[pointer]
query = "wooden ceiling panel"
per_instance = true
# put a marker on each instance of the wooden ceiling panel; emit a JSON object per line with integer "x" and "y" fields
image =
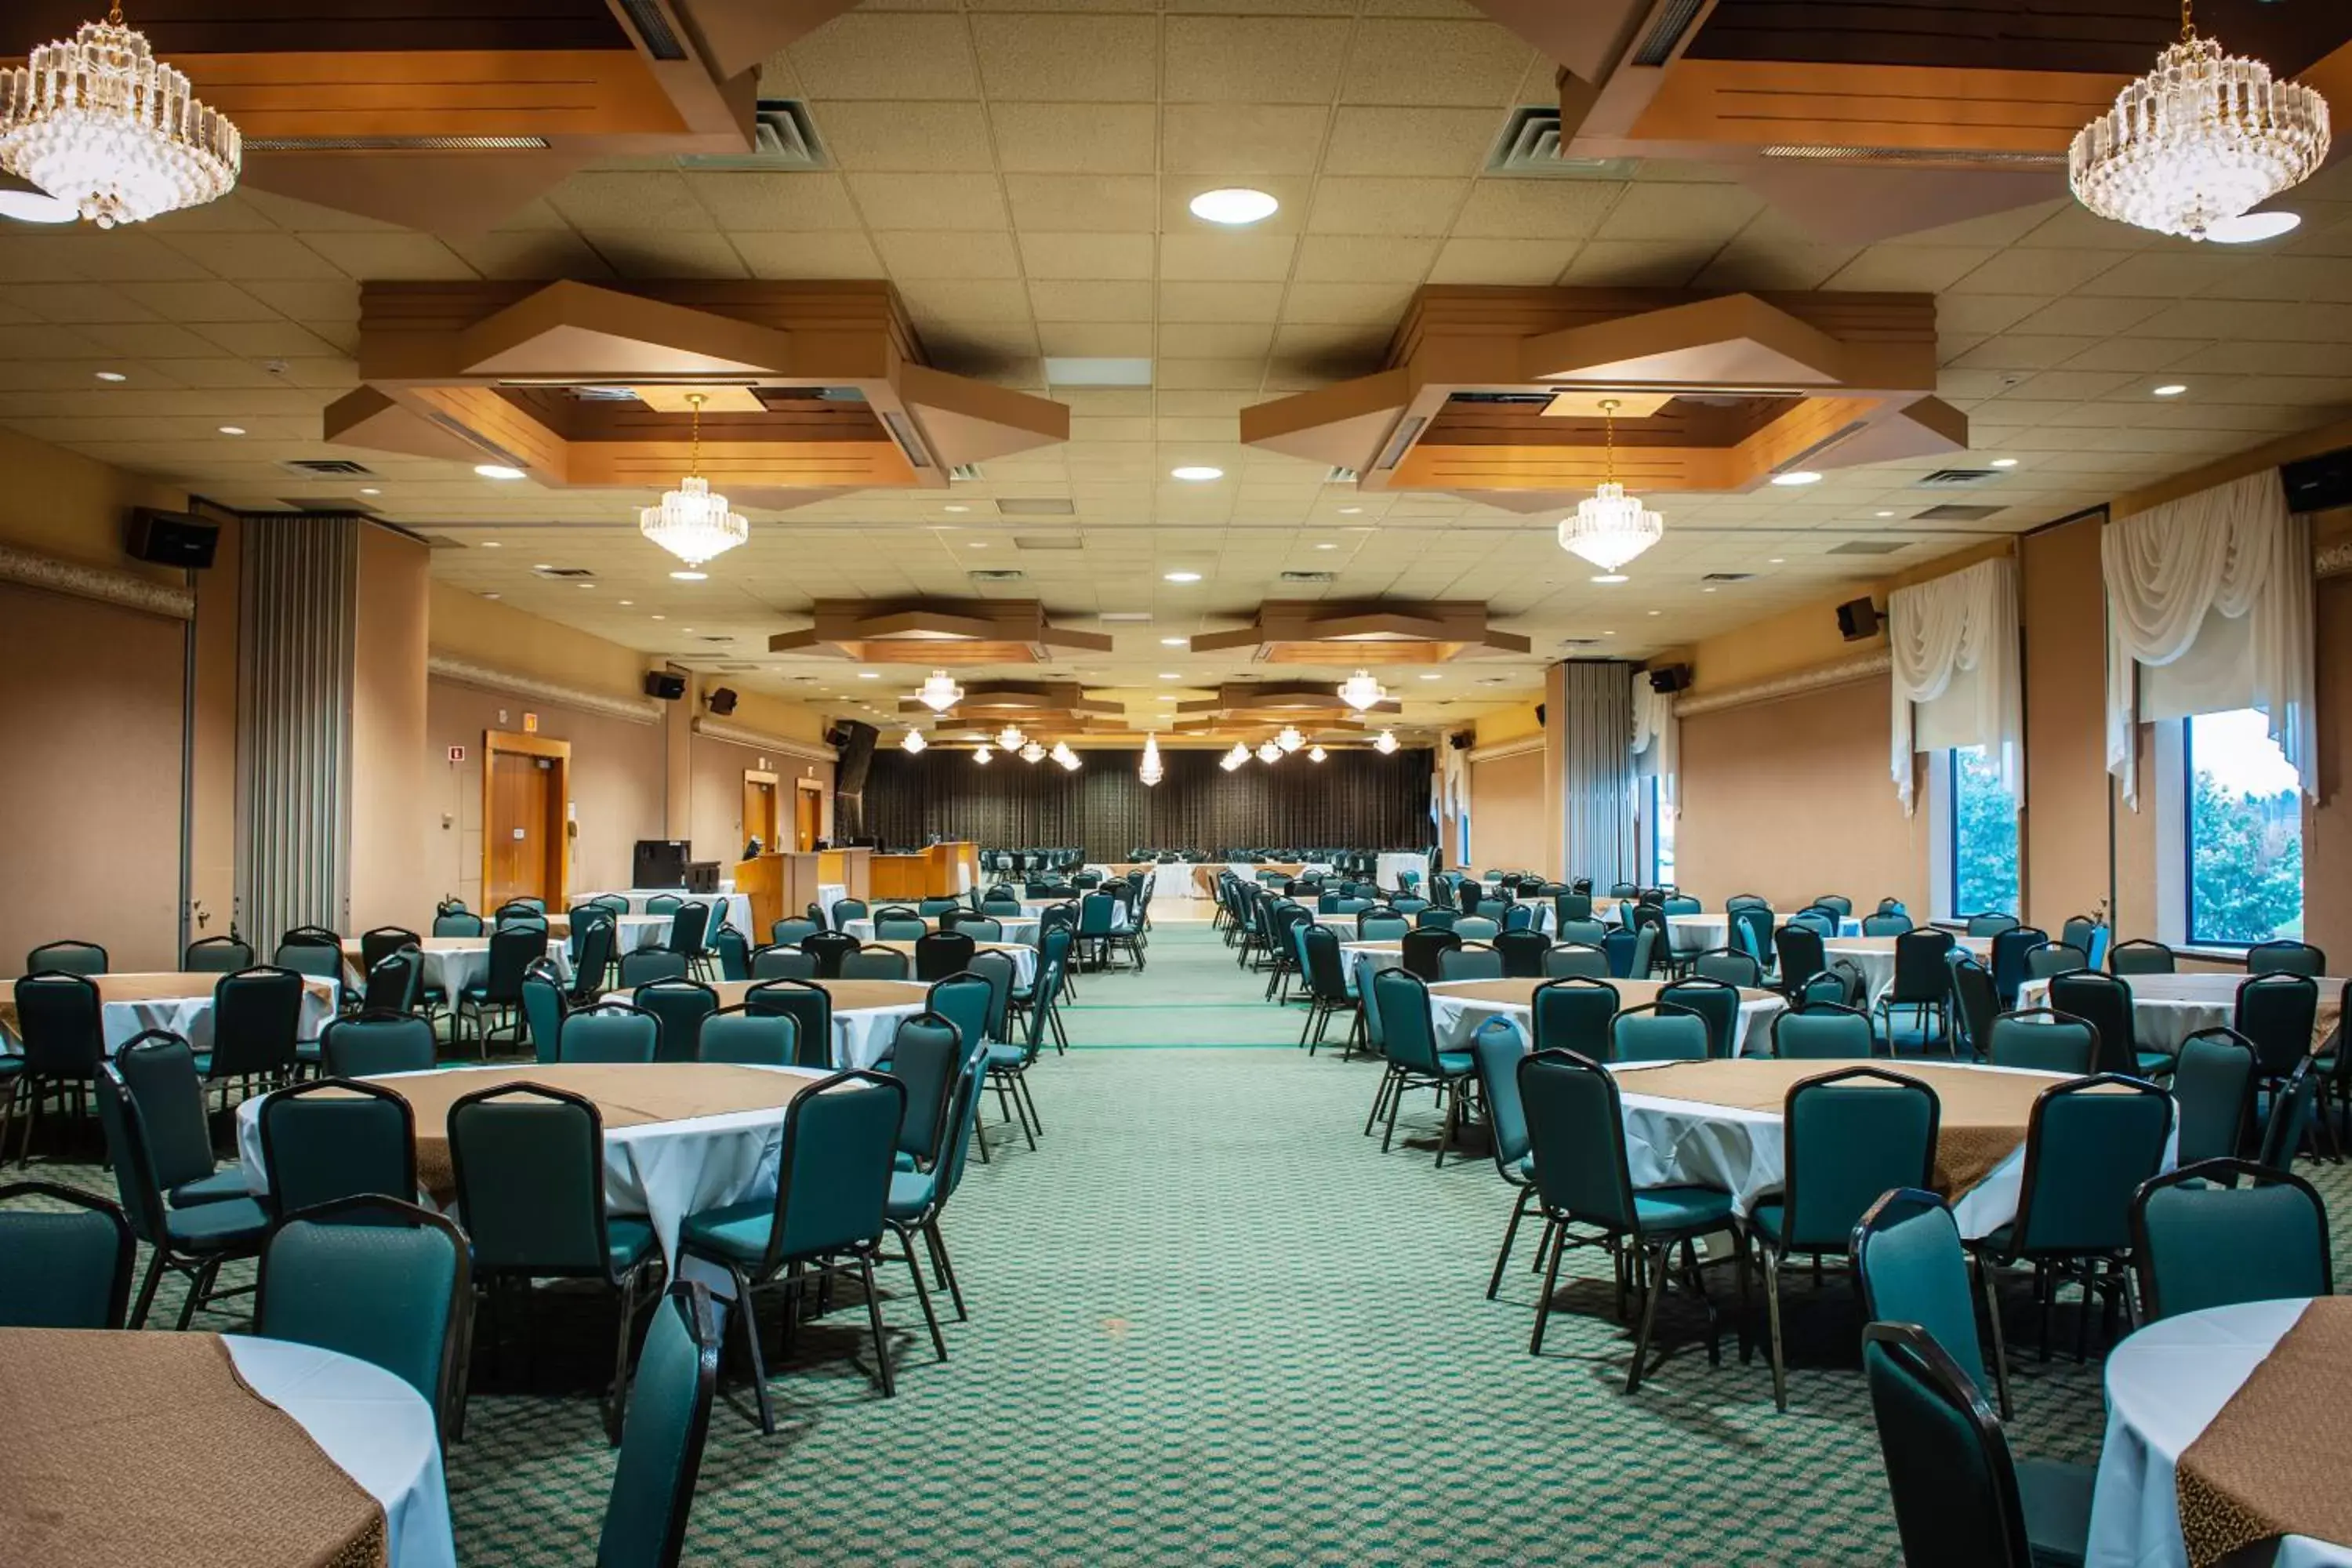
{"x": 183, "y": 30}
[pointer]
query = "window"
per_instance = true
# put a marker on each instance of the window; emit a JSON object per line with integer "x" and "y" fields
{"x": 1984, "y": 834}
{"x": 2244, "y": 831}
{"x": 1660, "y": 810}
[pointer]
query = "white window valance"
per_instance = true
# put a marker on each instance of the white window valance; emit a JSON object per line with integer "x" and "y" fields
{"x": 1952, "y": 644}
{"x": 2235, "y": 552}
{"x": 1657, "y": 734}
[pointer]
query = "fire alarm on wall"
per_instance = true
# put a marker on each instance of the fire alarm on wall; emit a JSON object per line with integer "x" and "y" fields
{"x": 456, "y": 754}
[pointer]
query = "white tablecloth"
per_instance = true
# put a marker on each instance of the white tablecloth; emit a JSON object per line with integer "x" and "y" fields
{"x": 191, "y": 1016}
{"x": 2168, "y": 1008}
{"x": 1023, "y": 956}
{"x": 2165, "y": 1384}
{"x": 376, "y": 1429}
{"x": 861, "y": 1036}
{"x": 1457, "y": 1019}
{"x": 737, "y": 907}
{"x": 1875, "y": 957}
{"x": 1017, "y": 927}
{"x": 1389, "y": 867}
{"x": 450, "y": 970}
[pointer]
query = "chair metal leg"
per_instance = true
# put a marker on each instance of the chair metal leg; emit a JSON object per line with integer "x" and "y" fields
{"x": 943, "y": 1267}
{"x": 923, "y": 1291}
{"x": 751, "y": 1339}
{"x": 1380, "y": 1098}
{"x": 1551, "y": 1283}
{"x": 1396, "y": 1099}
{"x": 1653, "y": 1285}
{"x": 155, "y": 1266}
{"x": 1770, "y": 1258}
{"x": 874, "y": 1316}
{"x": 1510, "y": 1234}
{"x": 199, "y": 1289}
{"x": 1990, "y": 1285}
{"x": 620, "y": 1398}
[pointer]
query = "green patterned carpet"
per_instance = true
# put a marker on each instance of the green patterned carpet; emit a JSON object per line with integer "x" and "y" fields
{"x": 1213, "y": 1324}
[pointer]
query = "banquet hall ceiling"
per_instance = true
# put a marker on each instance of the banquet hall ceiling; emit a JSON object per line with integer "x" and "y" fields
{"x": 1020, "y": 173}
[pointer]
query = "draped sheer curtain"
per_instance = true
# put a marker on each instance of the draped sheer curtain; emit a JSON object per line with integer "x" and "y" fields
{"x": 2235, "y": 553}
{"x": 1657, "y": 736}
{"x": 1956, "y": 675}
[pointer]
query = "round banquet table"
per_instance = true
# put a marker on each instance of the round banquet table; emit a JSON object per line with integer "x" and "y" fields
{"x": 2165, "y": 1384}
{"x": 454, "y": 963}
{"x": 1873, "y": 957}
{"x": 736, "y": 908}
{"x": 1017, "y": 929}
{"x": 129, "y": 1003}
{"x": 2168, "y": 1008}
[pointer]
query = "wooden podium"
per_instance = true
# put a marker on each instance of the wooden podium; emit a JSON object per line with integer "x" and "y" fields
{"x": 942, "y": 871}
{"x": 785, "y": 883}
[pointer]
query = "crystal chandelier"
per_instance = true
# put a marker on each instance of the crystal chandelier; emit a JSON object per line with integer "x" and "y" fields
{"x": 1269, "y": 754}
{"x": 1149, "y": 770}
{"x": 1234, "y": 758}
{"x": 1032, "y": 753}
{"x": 938, "y": 693}
{"x": 1316, "y": 753}
{"x": 1387, "y": 744}
{"x": 980, "y": 754}
{"x": 1063, "y": 754}
{"x": 912, "y": 742}
{"x": 103, "y": 126}
{"x": 1290, "y": 739}
{"x": 1610, "y": 528}
{"x": 692, "y": 523}
{"x": 1010, "y": 738}
{"x": 1360, "y": 692}
{"x": 2199, "y": 139}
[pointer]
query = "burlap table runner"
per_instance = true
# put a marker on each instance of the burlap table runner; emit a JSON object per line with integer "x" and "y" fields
{"x": 626, "y": 1094}
{"x": 1981, "y": 1121}
{"x": 1522, "y": 993}
{"x": 2270, "y": 1463}
{"x": 137, "y": 1450}
{"x": 845, "y": 994}
{"x": 161, "y": 985}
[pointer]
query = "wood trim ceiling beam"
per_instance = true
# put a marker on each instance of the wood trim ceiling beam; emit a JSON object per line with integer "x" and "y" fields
{"x": 1366, "y": 632}
{"x": 942, "y": 633}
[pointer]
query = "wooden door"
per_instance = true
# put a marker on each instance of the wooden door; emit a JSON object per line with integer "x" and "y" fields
{"x": 759, "y": 812}
{"x": 520, "y": 832}
{"x": 808, "y": 815}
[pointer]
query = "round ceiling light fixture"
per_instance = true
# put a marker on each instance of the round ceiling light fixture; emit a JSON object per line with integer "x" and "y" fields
{"x": 1609, "y": 527}
{"x": 1268, "y": 752}
{"x": 912, "y": 742}
{"x": 1032, "y": 753}
{"x": 1360, "y": 692}
{"x": 980, "y": 754}
{"x": 691, "y": 522}
{"x": 1290, "y": 739}
{"x": 1196, "y": 473}
{"x": 1233, "y": 206}
{"x": 939, "y": 693}
{"x": 1795, "y": 477}
{"x": 1316, "y": 753}
{"x": 1386, "y": 743}
{"x": 1010, "y": 738}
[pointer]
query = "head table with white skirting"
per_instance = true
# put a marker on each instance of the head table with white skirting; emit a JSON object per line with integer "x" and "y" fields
{"x": 1023, "y": 956}
{"x": 1456, "y": 1008}
{"x": 1874, "y": 957}
{"x": 182, "y": 1002}
{"x": 451, "y": 963}
{"x": 2168, "y": 1008}
{"x": 1021, "y": 928}
{"x": 1389, "y": 866}
{"x": 736, "y": 908}
{"x": 865, "y": 1013}
{"x": 2219, "y": 1409}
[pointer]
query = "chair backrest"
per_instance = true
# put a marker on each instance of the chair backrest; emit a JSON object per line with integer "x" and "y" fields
{"x": 67, "y": 958}
{"x": 1823, "y": 1032}
{"x": 1680, "y": 904}
{"x": 544, "y": 1006}
{"x": 2289, "y": 1118}
{"x": 832, "y": 1181}
{"x": 874, "y": 963}
{"x": 1729, "y": 966}
{"x": 337, "y": 1137}
{"x": 1642, "y": 958}
{"x": 847, "y": 910}
{"x": 395, "y": 982}
{"x": 2213, "y": 1084}
{"x": 1570, "y": 960}
{"x": 2104, "y": 1003}
{"x": 662, "y": 1437}
{"x": 161, "y": 1071}
{"x": 374, "y": 1278}
{"x": 1838, "y": 904}
{"x": 1712, "y": 1000}
{"x": 1799, "y": 950}
{"x": 2201, "y": 1239}
{"x": 1470, "y": 961}
{"x": 647, "y": 964}
{"x": 1435, "y": 917}
{"x": 2009, "y": 962}
{"x": 1495, "y": 1050}
{"x": 2043, "y": 1040}
{"x": 938, "y": 905}
{"x": 2276, "y": 1012}
{"x": 1477, "y": 928}
{"x": 2285, "y": 958}
{"x": 679, "y": 1006}
{"x": 1423, "y": 948}
{"x": 2089, "y": 1144}
{"x": 457, "y": 923}
{"x": 2046, "y": 959}
{"x": 126, "y": 1153}
{"x": 2076, "y": 932}
{"x": 227, "y": 955}
{"x": 513, "y": 950}
{"x": 1922, "y": 967}
{"x": 1948, "y": 1463}
{"x": 1847, "y": 1137}
{"x": 1052, "y": 972}
{"x": 528, "y": 1161}
{"x": 809, "y": 1006}
{"x": 784, "y": 963}
{"x": 747, "y": 1039}
{"x": 1976, "y": 1000}
{"x": 1382, "y": 925}
{"x": 256, "y": 1019}
{"x": 788, "y": 931}
{"x": 592, "y": 958}
{"x": 2140, "y": 955}
{"x": 734, "y": 954}
{"x": 1653, "y": 1033}
{"x": 926, "y": 1055}
{"x": 63, "y": 1270}
{"x": 979, "y": 928}
{"x": 900, "y": 925}
{"x": 376, "y": 1043}
{"x": 608, "y": 1032}
{"x": 1886, "y": 924}
{"x": 664, "y": 904}
{"x": 1991, "y": 924}
{"x": 1404, "y": 1019}
{"x": 829, "y": 948}
{"x": 1911, "y": 1268}
{"x": 1576, "y": 1134}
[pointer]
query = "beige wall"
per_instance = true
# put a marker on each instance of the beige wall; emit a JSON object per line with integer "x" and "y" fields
{"x": 468, "y": 626}
{"x": 390, "y": 874}
{"x": 92, "y": 697}
{"x": 1507, "y": 724}
{"x": 60, "y": 503}
{"x": 616, "y": 788}
{"x": 1791, "y": 799}
{"x": 718, "y": 791}
{"x": 1507, "y": 812}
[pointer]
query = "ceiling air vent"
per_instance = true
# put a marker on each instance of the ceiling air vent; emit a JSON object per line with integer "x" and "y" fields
{"x": 1042, "y": 506}
{"x": 1047, "y": 542}
{"x": 563, "y": 571}
{"x": 964, "y": 473}
{"x": 708, "y": 636}
{"x": 652, "y": 27}
{"x": 395, "y": 143}
{"x": 1943, "y": 478}
{"x": 1951, "y": 511}
{"x": 1307, "y": 577}
{"x": 782, "y": 137}
{"x": 738, "y": 668}
{"x": 327, "y": 467}
{"x": 346, "y": 504}
{"x": 1341, "y": 474}
{"x": 999, "y": 574}
{"x": 1125, "y": 615}
{"x": 1528, "y": 148}
{"x": 1727, "y": 576}
{"x": 1657, "y": 46}
{"x": 1868, "y": 547}
{"x": 1827, "y": 155}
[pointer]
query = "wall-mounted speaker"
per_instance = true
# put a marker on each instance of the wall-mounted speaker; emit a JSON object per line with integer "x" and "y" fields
{"x": 170, "y": 539}
{"x": 1539, "y": 715}
{"x": 2318, "y": 484}
{"x": 1670, "y": 677}
{"x": 722, "y": 700}
{"x": 856, "y": 746}
{"x": 1857, "y": 620}
{"x": 1460, "y": 739}
{"x": 661, "y": 683}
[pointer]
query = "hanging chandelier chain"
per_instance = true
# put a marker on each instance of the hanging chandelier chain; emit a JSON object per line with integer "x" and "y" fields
{"x": 1609, "y": 438}
{"x": 694, "y": 438}
{"x": 2188, "y": 24}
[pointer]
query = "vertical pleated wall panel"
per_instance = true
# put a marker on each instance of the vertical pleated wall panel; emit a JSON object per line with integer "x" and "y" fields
{"x": 1597, "y": 794}
{"x": 294, "y": 730}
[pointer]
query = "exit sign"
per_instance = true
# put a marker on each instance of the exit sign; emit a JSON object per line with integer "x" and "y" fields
{"x": 456, "y": 754}
{"x": 530, "y": 723}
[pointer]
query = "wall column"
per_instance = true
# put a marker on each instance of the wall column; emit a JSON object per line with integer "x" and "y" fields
{"x": 1589, "y": 770}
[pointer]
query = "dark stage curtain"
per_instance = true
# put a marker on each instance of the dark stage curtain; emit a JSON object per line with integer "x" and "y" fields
{"x": 1357, "y": 799}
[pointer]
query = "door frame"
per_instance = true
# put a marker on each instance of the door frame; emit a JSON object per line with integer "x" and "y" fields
{"x": 775, "y": 827}
{"x": 802, "y": 786}
{"x": 558, "y": 754}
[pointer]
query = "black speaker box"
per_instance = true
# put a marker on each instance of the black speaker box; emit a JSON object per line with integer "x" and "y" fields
{"x": 2319, "y": 484}
{"x": 1539, "y": 715}
{"x": 170, "y": 539}
{"x": 661, "y": 683}
{"x": 856, "y": 757}
{"x": 1670, "y": 677}
{"x": 1857, "y": 620}
{"x": 722, "y": 700}
{"x": 1460, "y": 739}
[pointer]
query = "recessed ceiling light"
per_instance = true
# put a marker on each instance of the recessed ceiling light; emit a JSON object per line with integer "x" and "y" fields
{"x": 1234, "y": 204}
{"x": 689, "y": 630}
{"x": 1327, "y": 547}
{"x": 232, "y": 430}
{"x": 980, "y": 545}
{"x": 1882, "y": 514}
{"x": 1432, "y": 675}
{"x": 1702, "y": 590}
{"x": 498, "y": 471}
{"x": 1198, "y": 473}
{"x": 370, "y": 491}
{"x": 2172, "y": 389}
{"x": 870, "y": 675}
{"x": 1661, "y": 612}
{"x": 661, "y": 617}
{"x": 1170, "y": 675}
{"x": 690, "y": 576}
{"x": 489, "y": 596}
{"x": 1180, "y": 576}
{"x": 1612, "y": 577}
{"x": 2003, "y": 463}
{"x": 2248, "y": 227}
{"x": 1772, "y": 560}
{"x": 584, "y": 584}
{"x": 1608, "y": 633}
{"x": 111, "y": 375}
{"x": 1174, "y": 642}
{"x": 36, "y": 206}
{"x": 627, "y": 603}
{"x": 540, "y": 566}
{"x": 494, "y": 544}
{"x": 955, "y": 508}
{"x": 1351, "y": 510}
{"x": 1797, "y": 477}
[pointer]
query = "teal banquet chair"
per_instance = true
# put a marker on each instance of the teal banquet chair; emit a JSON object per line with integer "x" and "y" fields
{"x": 65, "y": 1268}
{"x": 662, "y": 1439}
{"x": 2226, "y": 1231}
